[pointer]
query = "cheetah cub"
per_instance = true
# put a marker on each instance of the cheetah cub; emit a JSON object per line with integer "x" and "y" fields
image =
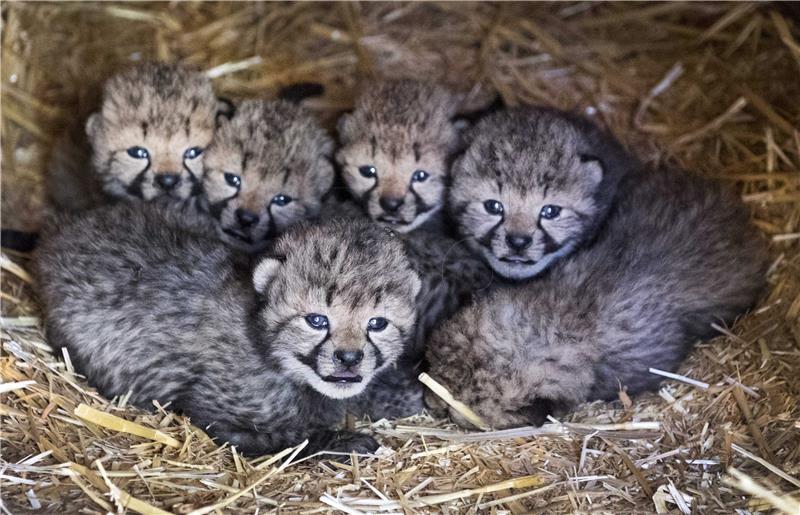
{"x": 267, "y": 168}
{"x": 675, "y": 254}
{"x": 396, "y": 146}
{"x": 263, "y": 361}
{"x": 150, "y": 133}
{"x": 533, "y": 186}
{"x": 145, "y": 141}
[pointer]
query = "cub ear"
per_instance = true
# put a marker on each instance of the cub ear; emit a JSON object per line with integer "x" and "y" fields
{"x": 416, "y": 285}
{"x": 462, "y": 128}
{"x": 93, "y": 125}
{"x": 326, "y": 176}
{"x": 344, "y": 127}
{"x": 265, "y": 272}
{"x": 592, "y": 168}
{"x": 225, "y": 109}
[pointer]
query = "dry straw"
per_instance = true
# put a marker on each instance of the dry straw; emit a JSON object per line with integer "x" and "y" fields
{"x": 713, "y": 87}
{"x": 464, "y": 410}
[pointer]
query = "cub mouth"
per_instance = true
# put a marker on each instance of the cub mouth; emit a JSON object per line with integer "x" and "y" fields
{"x": 167, "y": 195}
{"x": 517, "y": 260}
{"x": 392, "y": 221}
{"x": 245, "y": 237}
{"x": 238, "y": 235}
{"x": 343, "y": 377}
{"x": 171, "y": 195}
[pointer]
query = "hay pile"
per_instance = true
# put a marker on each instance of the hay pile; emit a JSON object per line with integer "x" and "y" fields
{"x": 713, "y": 87}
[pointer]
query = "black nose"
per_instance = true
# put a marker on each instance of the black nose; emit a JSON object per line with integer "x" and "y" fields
{"x": 348, "y": 358}
{"x": 167, "y": 181}
{"x": 518, "y": 241}
{"x": 246, "y": 218}
{"x": 391, "y": 204}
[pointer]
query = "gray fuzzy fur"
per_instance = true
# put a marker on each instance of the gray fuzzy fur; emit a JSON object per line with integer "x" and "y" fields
{"x": 399, "y": 127}
{"x": 146, "y": 304}
{"x": 275, "y": 148}
{"x": 675, "y": 254}
{"x": 527, "y": 158}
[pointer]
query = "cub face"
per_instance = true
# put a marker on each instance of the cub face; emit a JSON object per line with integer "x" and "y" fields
{"x": 267, "y": 168}
{"x": 338, "y": 304}
{"x": 395, "y": 150}
{"x": 149, "y": 136}
{"x": 524, "y": 192}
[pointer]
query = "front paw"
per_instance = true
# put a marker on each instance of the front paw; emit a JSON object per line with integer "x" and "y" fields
{"x": 435, "y": 405}
{"x": 539, "y": 409}
{"x": 342, "y": 441}
{"x": 354, "y": 442}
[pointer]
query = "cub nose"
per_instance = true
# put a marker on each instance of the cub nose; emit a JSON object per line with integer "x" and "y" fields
{"x": 519, "y": 242}
{"x": 167, "y": 181}
{"x": 391, "y": 204}
{"x": 348, "y": 358}
{"x": 246, "y": 217}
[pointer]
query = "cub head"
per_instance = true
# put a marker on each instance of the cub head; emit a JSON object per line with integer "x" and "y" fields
{"x": 528, "y": 190}
{"x": 395, "y": 151}
{"x": 267, "y": 168}
{"x": 150, "y": 133}
{"x": 337, "y": 304}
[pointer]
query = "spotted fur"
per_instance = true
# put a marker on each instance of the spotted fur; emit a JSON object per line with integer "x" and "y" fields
{"x": 529, "y": 160}
{"x": 146, "y": 305}
{"x": 281, "y": 158}
{"x": 452, "y": 276}
{"x": 676, "y": 254}
{"x": 397, "y": 129}
{"x": 167, "y": 110}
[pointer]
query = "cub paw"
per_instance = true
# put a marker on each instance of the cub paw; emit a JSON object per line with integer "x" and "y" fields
{"x": 344, "y": 442}
{"x": 537, "y": 411}
{"x": 354, "y": 442}
{"x": 435, "y": 405}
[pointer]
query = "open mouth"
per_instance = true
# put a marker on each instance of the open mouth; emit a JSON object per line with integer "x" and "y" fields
{"x": 392, "y": 221}
{"x": 517, "y": 260}
{"x": 344, "y": 376}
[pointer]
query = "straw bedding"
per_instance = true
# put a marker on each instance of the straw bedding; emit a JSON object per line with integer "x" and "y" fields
{"x": 712, "y": 87}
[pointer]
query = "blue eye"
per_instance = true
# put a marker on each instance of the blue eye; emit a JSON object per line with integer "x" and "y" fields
{"x": 281, "y": 199}
{"x": 420, "y": 176}
{"x": 192, "y": 153}
{"x": 549, "y": 212}
{"x": 377, "y": 324}
{"x": 138, "y": 153}
{"x": 317, "y": 321}
{"x": 233, "y": 179}
{"x": 493, "y": 207}
{"x": 368, "y": 171}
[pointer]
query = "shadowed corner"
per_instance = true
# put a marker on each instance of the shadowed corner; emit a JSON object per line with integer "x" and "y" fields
{"x": 19, "y": 241}
{"x": 300, "y": 91}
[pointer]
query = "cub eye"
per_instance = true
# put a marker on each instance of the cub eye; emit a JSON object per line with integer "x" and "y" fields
{"x": 192, "y": 153}
{"x": 281, "y": 200}
{"x": 233, "y": 179}
{"x": 377, "y": 324}
{"x": 549, "y": 212}
{"x": 138, "y": 153}
{"x": 420, "y": 176}
{"x": 317, "y": 321}
{"x": 493, "y": 207}
{"x": 368, "y": 171}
